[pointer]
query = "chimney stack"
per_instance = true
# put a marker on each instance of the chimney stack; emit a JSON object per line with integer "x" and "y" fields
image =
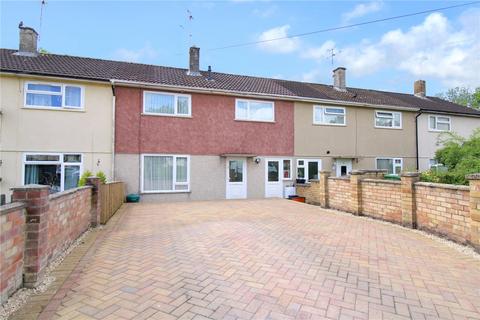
{"x": 194, "y": 66}
{"x": 28, "y": 41}
{"x": 339, "y": 79}
{"x": 420, "y": 88}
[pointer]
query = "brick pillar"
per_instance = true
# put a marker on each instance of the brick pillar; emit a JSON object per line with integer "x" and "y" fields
{"x": 36, "y": 200}
{"x": 356, "y": 192}
{"x": 96, "y": 200}
{"x": 474, "y": 180}
{"x": 409, "y": 213}
{"x": 323, "y": 180}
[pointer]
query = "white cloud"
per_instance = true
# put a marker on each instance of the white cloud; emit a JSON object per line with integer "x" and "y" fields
{"x": 265, "y": 12}
{"x": 361, "y": 10}
{"x": 319, "y": 52}
{"x": 278, "y": 46}
{"x": 436, "y": 48}
{"x": 138, "y": 55}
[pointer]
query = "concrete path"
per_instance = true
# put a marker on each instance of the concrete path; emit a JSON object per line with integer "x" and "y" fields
{"x": 266, "y": 259}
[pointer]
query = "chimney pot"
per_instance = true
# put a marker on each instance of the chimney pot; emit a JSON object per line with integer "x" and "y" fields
{"x": 194, "y": 66}
{"x": 28, "y": 41}
{"x": 339, "y": 82}
{"x": 420, "y": 88}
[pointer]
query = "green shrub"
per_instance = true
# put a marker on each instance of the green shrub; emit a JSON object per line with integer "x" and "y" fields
{"x": 102, "y": 176}
{"x": 83, "y": 178}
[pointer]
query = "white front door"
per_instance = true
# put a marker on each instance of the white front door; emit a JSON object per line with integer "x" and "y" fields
{"x": 236, "y": 178}
{"x": 343, "y": 167}
{"x": 273, "y": 178}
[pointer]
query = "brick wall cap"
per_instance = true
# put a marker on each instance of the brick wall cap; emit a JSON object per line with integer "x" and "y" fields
{"x": 410, "y": 174}
{"x": 443, "y": 186}
{"x": 9, "y": 207}
{"x": 373, "y": 170}
{"x": 357, "y": 173}
{"x": 29, "y": 187}
{"x": 325, "y": 171}
{"x": 302, "y": 184}
{"x": 346, "y": 178}
{"x": 473, "y": 176}
{"x": 67, "y": 192}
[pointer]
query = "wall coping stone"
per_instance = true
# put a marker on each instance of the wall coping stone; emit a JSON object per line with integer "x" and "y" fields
{"x": 325, "y": 171}
{"x": 13, "y": 206}
{"x": 442, "y": 186}
{"x": 339, "y": 178}
{"x": 473, "y": 176}
{"x": 410, "y": 174}
{"x": 302, "y": 185}
{"x": 357, "y": 172}
{"x": 30, "y": 187}
{"x": 373, "y": 170}
{"x": 381, "y": 181}
{"x": 57, "y": 195}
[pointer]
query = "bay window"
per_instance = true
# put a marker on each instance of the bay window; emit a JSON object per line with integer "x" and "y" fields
{"x": 329, "y": 115}
{"x": 254, "y": 110}
{"x": 166, "y": 104}
{"x": 55, "y": 96}
{"x": 388, "y": 119}
{"x": 392, "y": 165}
{"x": 59, "y": 171}
{"x": 165, "y": 173}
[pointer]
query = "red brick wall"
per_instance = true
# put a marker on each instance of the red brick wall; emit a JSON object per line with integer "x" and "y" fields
{"x": 444, "y": 210}
{"x": 339, "y": 193}
{"x": 68, "y": 217}
{"x": 12, "y": 243}
{"x": 382, "y": 200}
{"x": 211, "y": 130}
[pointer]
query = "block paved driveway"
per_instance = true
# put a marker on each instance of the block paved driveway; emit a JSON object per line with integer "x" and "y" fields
{"x": 268, "y": 259}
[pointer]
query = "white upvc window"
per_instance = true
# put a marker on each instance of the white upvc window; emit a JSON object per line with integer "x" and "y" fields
{"x": 392, "y": 165}
{"x": 53, "y": 95}
{"x": 439, "y": 123}
{"x": 60, "y": 171}
{"x": 164, "y": 173}
{"x": 252, "y": 110}
{"x": 287, "y": 169}
{"x": 167, "y": 104}
{"x": 388, "y": 119}
{"x": 308, "y": 169}
{"x": 335, "y": 116}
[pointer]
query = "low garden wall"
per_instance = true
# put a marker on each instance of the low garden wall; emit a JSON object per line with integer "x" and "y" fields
{"x": 37, "y": 227}
{"x": 447, "y": 210}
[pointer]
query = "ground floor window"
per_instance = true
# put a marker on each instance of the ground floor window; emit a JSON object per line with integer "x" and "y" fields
{"x": 308, "y": 169}
{"x": 60, "y": 171}
{"x": 165, "y": 173}
{"x": 392, "y": 165}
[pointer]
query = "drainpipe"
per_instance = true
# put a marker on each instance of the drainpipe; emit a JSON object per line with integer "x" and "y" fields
{"x": 416, "y": 138}
{"x": 113, "y": 129}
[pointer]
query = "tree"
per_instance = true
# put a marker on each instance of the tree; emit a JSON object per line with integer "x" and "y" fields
{"x": 463, "y": 96}
{"x": 461, "y": 157}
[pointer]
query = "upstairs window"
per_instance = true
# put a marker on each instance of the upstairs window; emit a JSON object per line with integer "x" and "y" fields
{"x": 388, "y": 119}
{"x": 167, "y": 104}
{"x": 61, "y": 96}
{"x": 254, "y": 110}
{"x": 328, "y": 115}
{"x": 439, "y": 123}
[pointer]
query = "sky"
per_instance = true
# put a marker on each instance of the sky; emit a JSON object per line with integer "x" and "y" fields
{"x": 442, "y": 47}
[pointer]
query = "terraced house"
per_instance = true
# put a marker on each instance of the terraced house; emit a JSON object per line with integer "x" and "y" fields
{"x": 181, "y": 134}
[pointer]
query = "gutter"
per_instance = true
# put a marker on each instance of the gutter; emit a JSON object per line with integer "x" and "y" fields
{"x": 416, "y": 138}
{"x": 114, "y": 97}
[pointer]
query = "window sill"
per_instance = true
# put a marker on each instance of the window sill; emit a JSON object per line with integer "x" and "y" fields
{"x": 329, "y": 124}
{"x": 260, "y": 121}
{"x": 438, "y": 131}
{"x": 165, "y": 115}
{"x": 388, "y": 128}
{"x": 55, "y": 109}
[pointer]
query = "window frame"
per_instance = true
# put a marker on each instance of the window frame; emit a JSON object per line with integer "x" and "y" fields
{"x": 174, "y": 173}
{"x": 175, "y": 101}
{"x": 60, "y": 162}
{"x": 375, "y": 116}
{"x": 305, "y": 167}
{"x": 290, "y": 171}
{"x": 61, "y": 93}
{"x": 248, "y": 101}
{"x": 393, "y": 164}
{"x": 436, "y": 123}
{"x": 323, "y": 108}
